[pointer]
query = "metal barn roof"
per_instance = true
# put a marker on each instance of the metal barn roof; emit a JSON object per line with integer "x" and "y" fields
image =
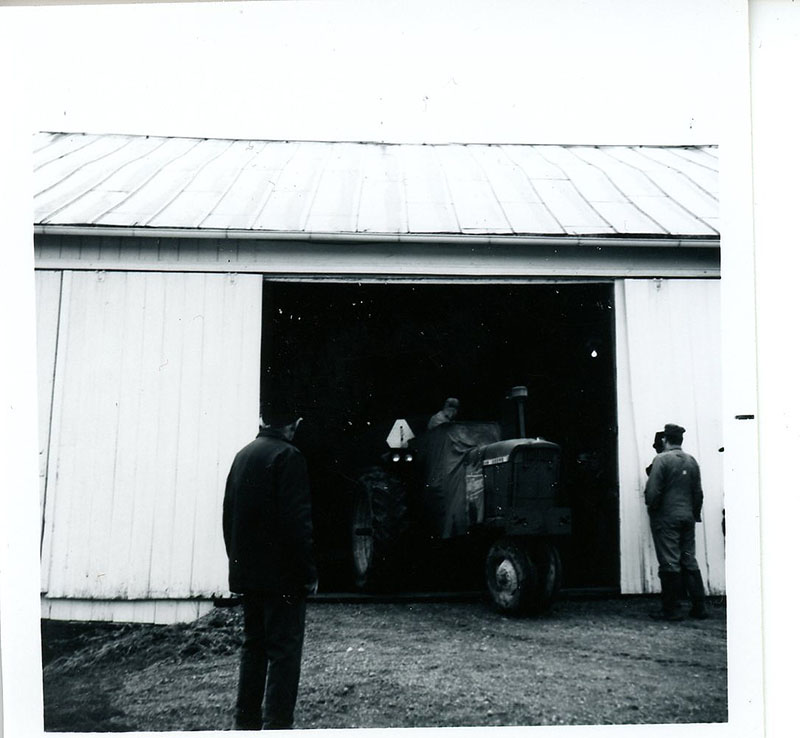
{"x": 317, "y": 188}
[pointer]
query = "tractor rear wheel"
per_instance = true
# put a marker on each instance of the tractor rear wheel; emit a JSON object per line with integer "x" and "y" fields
{"x": 523, "y": 576}
{"x": 379, "y": 527}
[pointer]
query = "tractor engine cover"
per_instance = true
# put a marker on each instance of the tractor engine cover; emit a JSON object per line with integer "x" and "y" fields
{"x": 521, "y": 480}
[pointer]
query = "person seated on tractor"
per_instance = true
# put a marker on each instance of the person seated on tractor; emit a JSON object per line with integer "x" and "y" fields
{"x": 446, "y": 415}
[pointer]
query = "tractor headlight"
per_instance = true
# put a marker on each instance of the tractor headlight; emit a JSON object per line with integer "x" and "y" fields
{"x": 395, "y": 457}
{"x": 408, "y": 458}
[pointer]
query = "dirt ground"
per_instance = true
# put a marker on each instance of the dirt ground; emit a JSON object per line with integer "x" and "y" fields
{"x": 409, "y": 664}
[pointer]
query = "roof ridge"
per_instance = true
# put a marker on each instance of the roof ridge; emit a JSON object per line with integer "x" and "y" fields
{"x": 368, "y": 142}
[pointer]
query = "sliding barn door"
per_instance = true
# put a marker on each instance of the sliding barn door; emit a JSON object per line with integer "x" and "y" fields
{"x": 154, "y": 386}
{"x": 668, "y": 371}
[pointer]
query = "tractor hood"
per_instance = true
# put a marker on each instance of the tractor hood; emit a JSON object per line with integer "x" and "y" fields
{"x": 501, "y": 451}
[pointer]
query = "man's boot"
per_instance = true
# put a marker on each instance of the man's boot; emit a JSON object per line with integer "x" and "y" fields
{"x": 693, "y": 581}
{"x": 671, "y": 586}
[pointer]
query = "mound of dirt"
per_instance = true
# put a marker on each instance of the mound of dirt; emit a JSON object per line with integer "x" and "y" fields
{"x": 74, "y": 646}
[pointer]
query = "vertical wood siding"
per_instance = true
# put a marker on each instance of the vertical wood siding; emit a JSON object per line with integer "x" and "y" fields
{"x": 668, "y": 371}
{"x": 126, "y": 611}
{"x": 156, "y": 387}
{"x": 48, "y": 299}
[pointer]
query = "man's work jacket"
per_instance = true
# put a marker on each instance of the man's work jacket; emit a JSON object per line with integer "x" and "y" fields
{"x": 674, "y": 492}
{"x": 266, "y": 518}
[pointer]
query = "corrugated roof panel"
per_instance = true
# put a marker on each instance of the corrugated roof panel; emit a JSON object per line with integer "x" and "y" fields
{"x": 532, "y": 163}
{"x": 164, "y": 186}
{"x": 475, "y": 204}
{"x": 382, "y": 204}
{"x": 673, "y": 184}
{"x": 569, "y": 207}
{"x": 672, "y": 216}
{"x": 322, "y": 187}
{"x": 247, "y": 194}
{"x": 192, "y": 202}
{"x": 628, "y": 180}
{"x": 521, "y": 203}
{"x": 189, "y": 208}
{"x": 532, "y": 217}
{"x": 431, "y": 217}
{"x": 336, "y": 202}
{"x": 288, "y": 206}
{"x": 703, "y": 176}
{"x": 592, "y": 183}
{"x": 102, "y": 159}
{"x": 428, "y": 201}
{"x": 704, "y": 156}
{"x": 113, "y": 182}
{"x": 509, "y": 183}
{"x": 43, "y": 141}
{"x": 644, "y": 193}
{"x": 85, "y": 209}
{"x": 233, "y": 159}
{"x": 204, "y": 193}
{"x": 600, "y": 192}
{"x": 178, "y": 207}
{"x": 58, "y": 146}
{"x": 72, "y": 165}
{"x": 627, "y": 218}
{"x": 137, "y": 176}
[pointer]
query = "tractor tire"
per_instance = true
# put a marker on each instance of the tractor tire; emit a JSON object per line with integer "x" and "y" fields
{"x": 380, "y": 524}
{"x": 523, "y": 576}
{"x": 547, "y": 561}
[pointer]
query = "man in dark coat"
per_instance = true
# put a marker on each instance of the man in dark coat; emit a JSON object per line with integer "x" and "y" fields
{"x": 266, "y": 523}
{"x": 674, "y": 498}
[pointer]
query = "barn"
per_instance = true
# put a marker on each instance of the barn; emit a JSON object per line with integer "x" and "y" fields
{"x": 181, "y": 280}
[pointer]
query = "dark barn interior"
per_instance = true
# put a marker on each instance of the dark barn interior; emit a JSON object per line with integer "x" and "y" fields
{"x": 354, "y": 357}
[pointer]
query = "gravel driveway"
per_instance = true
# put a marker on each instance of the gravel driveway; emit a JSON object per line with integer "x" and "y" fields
{"x": 402, "y": 664}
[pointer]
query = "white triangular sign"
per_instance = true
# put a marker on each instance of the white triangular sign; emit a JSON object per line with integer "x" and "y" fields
{"x": 400, "y": 434}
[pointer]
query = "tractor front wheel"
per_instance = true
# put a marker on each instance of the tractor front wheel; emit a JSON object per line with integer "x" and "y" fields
{"x": 523, "y": 576}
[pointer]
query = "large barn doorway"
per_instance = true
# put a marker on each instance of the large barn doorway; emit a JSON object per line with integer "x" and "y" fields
{"x": 357, "y": 356}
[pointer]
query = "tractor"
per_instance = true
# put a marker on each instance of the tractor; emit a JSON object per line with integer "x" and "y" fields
{"x": 458, "y": 480}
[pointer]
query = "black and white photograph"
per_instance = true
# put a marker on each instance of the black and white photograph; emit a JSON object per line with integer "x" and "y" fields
{"x": 388, "y": 366}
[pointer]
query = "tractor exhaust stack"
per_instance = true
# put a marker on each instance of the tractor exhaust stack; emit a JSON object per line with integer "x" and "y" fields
{"x": 519, "y": 394}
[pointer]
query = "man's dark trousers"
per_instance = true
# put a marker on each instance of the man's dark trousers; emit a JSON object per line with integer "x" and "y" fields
{"x": 678, "y": 570}
{"x": 270, "y": 662}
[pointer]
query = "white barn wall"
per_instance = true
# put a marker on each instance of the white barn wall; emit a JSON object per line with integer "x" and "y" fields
{"x": 48, "y": 300}
{"x": 132, "y": 510}
{"x": 668, "y": 371}
{"x": 156, "y": 387}
{"x": 159, "y": 612}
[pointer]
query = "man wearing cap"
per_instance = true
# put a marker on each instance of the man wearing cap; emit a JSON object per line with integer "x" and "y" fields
{"x": 658, "y": 445}
{"x": 446, "y": 415}
{"x": 266, "y": 523}
{"x": 674, "y": 498}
